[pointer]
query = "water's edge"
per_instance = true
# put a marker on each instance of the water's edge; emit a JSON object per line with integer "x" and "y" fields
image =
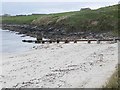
{"x": 11, "y": 42}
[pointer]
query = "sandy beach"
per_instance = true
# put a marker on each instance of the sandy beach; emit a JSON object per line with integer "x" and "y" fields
{"x": 73, "y": 65}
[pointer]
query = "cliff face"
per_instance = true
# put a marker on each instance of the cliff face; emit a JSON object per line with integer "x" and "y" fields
{"x": 70, "y": 24}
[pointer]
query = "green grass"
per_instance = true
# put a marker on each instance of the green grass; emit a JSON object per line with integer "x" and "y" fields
{"x": 106, "y": 19}
{"x": 101, "y": 20}
{"x": 20, "y": 19}
{"x": 114, "y": 81}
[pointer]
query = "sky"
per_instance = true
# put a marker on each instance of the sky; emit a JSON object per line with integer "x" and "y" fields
{"x": 18, "y": 7}
{"x": 59, "y": 0}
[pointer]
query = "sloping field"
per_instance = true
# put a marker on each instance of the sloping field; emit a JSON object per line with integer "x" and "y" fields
{"x": 100, "y": 20}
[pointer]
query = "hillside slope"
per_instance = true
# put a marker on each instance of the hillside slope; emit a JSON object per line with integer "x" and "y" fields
{"x": 98, "y": 21}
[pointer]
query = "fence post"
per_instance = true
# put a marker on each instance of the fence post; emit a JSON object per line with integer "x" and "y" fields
{"x": 98, "y": 41}
{"x": 58, "y": 41}
{"x": 114, "y": 40}
{"x": 75, "y": 41}
{"x": 50, "y": 41}
{"x": 43, "y": 42}
{"x": 89, "y": 41}
{"x": 66, "y": 41}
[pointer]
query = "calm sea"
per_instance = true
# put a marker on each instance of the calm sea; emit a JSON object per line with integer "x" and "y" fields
{"x": 12, "y": 43}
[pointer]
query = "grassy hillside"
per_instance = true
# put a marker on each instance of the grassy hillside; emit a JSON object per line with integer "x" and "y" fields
{"x": 25, "y": 19}
{"x": 101, "y": 20}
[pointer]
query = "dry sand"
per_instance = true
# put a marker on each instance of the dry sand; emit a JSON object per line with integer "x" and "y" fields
{"x": 60, "y": 66}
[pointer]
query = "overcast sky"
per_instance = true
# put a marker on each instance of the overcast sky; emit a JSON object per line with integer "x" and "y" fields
{"x": 59, "y": 0}
{"x": 15, "y": 7}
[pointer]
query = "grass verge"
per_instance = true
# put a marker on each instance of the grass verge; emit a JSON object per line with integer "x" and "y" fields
{"x": 114, "y": 81}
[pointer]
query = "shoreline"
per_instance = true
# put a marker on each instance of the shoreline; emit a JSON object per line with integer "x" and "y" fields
{"x": 11, "y": 42}
{"x": 34, "y": 31}
{"x": 61, "y": 66}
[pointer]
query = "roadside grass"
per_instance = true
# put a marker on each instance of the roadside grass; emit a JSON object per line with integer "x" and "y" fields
{"x": 114, "y": 81}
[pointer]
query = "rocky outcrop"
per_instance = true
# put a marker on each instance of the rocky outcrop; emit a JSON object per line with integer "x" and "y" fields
{"x": 52, "y": 32}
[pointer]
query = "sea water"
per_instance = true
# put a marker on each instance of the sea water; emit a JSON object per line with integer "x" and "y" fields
{"x": 11, "y": 42}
